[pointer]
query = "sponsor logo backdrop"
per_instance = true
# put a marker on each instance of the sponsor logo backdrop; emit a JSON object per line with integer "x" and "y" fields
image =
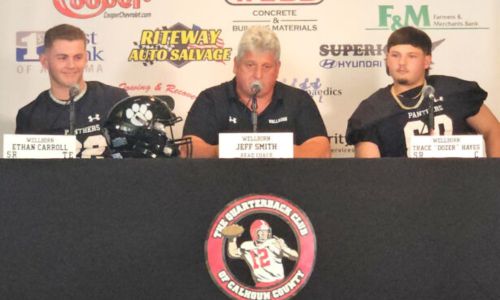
{"x": 332, "y": 49}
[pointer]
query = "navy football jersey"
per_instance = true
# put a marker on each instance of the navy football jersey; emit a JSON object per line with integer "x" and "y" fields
{"x": 380, "y": 120}
{"x": 46, "y": 116}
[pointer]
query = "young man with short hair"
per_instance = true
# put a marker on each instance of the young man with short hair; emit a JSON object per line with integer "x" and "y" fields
{"x": 65, "y": 58}
{"x": 383, "y": 124}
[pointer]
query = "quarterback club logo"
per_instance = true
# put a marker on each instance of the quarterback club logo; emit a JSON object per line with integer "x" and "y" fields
{"x": 261, "y": 247}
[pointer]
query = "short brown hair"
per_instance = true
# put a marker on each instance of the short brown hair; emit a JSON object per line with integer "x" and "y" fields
{"x": 63, "y": 32}
{"x": 411, "y": 36}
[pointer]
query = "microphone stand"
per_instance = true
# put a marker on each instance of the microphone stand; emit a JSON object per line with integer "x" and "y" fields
{"x": 72, "y": 116}
{"x": 73, "y": 92}
{"x": 431, "y": 115}
{"x": 254, "y": 112}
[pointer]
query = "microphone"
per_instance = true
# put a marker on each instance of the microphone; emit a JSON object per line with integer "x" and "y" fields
{"x": 256, "y": 87}
{"x": 428, "y": 91}
{"x": 74, "y": 90}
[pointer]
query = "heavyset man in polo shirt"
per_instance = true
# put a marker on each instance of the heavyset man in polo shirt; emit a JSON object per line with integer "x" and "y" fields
{"x": 280, "y": 108}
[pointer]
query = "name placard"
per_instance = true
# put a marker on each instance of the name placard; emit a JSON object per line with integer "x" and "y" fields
{"x": 256, "y": 145}
{"x": 425, "y": 146}
{"x": 39, "y": 146}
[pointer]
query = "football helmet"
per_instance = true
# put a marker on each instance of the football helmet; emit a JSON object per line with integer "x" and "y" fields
{"x": 260, "y": 225}
{"x": 142, "y": 126}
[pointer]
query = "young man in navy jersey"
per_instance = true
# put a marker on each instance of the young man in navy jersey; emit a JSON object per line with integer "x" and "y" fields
{"x": 383, "y": 124}
{"x": 65, "y": 58}
{"x": 280, "y": 108}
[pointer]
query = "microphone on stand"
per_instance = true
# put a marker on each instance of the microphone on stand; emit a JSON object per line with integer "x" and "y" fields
{"x": 74, "y": 90}
{"x": 255, "y": 88}
{"x": 428, "y": 91}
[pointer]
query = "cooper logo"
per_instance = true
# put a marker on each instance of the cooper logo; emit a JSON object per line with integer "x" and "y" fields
{"x": 274, "y": 2}
{"x": 85, "y": 9}
{"x": 261, "y": 247}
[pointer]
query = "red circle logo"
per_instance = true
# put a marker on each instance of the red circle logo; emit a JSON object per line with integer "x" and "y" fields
{"x": 261, "y": 247}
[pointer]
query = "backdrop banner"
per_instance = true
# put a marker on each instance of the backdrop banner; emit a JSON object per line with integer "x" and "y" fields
{"x": 334, "y": 50}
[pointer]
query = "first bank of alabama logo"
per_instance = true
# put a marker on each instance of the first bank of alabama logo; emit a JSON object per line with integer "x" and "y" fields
{"x": 261, "y": 247}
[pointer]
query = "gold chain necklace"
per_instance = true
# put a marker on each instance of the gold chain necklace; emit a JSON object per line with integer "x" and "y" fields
{"x": 398, "y": 101}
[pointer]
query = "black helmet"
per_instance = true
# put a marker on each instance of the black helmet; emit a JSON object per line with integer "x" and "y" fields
{"x": 141, "y": 126}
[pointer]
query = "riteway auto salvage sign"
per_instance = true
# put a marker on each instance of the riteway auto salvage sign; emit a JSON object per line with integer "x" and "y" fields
{"x": 180, "y": 45}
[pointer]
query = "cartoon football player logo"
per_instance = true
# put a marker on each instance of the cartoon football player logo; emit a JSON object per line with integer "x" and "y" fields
{"x": 263, "y": 254}
{"x": 246, "y": 261}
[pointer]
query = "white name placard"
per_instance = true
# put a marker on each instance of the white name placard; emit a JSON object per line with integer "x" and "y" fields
{"x": 39, "y": 146}
{"x": 256, "y": 145}
{"x": 469, "y": 146}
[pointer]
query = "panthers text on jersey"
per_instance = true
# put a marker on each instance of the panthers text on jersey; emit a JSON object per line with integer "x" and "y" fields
{"x": 379, "y": 119}
{"x": 45, "y": 115}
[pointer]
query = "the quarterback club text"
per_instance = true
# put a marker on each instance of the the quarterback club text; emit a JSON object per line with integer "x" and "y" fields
{"x": 253, "y": 295}
{"x": 93, "y": 8}
{"x": 277, "y": 206}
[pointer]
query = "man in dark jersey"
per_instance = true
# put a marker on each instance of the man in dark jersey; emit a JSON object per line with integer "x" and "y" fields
{"x": 383, "y": 124}
{"x": 65, "y": 58}
{"x": 280, "y": 108}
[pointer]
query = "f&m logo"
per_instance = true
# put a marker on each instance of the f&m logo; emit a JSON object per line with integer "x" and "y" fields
{"x": 411, "y": 16}
{"x": 274, "y": 2}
